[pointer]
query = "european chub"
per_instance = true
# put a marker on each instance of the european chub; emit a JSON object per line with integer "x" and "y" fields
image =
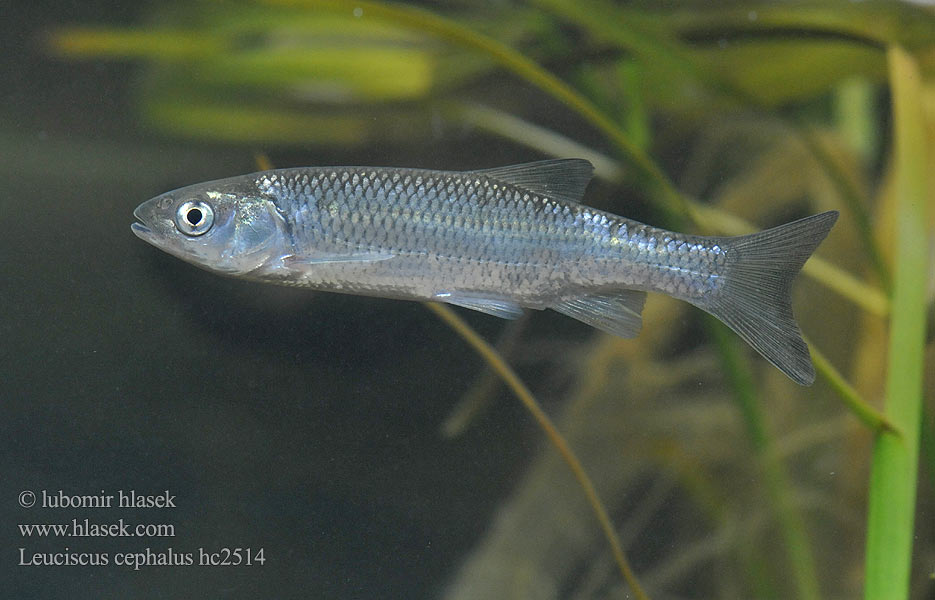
{"x": 497, "y": 241}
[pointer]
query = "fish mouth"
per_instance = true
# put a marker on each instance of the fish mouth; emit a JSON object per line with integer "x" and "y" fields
{"x": 140, "y": 229}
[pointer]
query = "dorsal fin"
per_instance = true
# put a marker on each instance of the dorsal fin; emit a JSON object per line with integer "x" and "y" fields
{"x": 559, "y": 179}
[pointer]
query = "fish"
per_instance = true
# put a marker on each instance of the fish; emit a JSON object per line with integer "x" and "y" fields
{"x": 497, "y": 241}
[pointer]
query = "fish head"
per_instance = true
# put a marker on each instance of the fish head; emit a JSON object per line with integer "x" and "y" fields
{"x": 221, "y": 226}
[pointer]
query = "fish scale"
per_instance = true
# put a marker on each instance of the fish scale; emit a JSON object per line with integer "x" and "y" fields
{"x": 495, "y": 240}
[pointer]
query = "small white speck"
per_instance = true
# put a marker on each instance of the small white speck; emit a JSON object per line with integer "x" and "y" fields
{"x": 358, "y": 12}
{"x": 752, "y": 15}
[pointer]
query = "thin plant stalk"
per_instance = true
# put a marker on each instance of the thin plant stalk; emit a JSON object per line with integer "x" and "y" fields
{"x": 519, "y": 389}
{"x": 859, "y": 407}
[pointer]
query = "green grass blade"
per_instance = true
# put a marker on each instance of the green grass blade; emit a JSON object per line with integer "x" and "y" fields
{"x": 891, "y": 512}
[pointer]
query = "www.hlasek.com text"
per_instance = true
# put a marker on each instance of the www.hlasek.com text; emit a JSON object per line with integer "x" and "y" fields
{"x": 87, "y": 528}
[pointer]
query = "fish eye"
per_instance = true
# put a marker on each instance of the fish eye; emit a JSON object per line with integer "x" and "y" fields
{"x": 194, "y": 217}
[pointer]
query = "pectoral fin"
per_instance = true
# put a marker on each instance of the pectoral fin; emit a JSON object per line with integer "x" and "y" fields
{"x": 319, "y": 258}
{"x": 617, "y": 312}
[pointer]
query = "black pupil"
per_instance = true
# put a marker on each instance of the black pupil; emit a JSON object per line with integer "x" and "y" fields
{"x": 194, "y": 216}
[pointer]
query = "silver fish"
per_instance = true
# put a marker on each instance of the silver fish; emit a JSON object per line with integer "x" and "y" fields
{"x": 495, "y": 241}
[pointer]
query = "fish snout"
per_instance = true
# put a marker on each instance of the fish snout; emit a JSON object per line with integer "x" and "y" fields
{"x": 143, "y": 227}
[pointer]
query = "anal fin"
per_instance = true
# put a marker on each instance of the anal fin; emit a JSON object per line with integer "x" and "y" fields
{"x": 615, "y": 312}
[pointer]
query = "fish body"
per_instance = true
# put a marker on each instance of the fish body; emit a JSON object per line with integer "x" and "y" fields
{"x": 497, "y": 241}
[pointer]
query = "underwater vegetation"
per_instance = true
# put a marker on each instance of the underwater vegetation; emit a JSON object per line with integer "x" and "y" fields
{"x": 697, "y": 470}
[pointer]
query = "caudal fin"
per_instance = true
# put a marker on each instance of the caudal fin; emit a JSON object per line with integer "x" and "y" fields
{"x": 756, "y": 300}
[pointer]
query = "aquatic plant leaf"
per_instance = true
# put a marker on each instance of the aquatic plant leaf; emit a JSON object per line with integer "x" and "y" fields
{"x": 215, "y": 120}
{"x": 762, "y": 70}
{"x": 871, "y": 23}
{"x": 160, "y": 44}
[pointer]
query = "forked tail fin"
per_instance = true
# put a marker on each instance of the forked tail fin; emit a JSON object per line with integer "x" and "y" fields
{"x": 756, "y": 299}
